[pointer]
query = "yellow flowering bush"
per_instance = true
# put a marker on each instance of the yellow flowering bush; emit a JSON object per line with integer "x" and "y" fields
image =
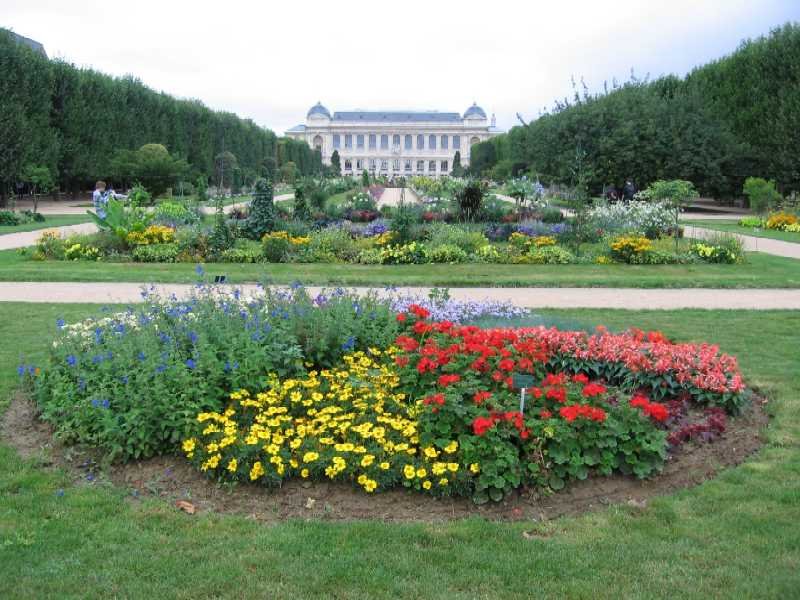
{"x": 544, "y": 240}
{"x": 284, "y": 235}
{"x": 630, "y": 248}
{"x": 344, "y": 424}
{"x": 781, "y": 220}
{"x": 792, "y": 228}
{"x": 153, "y": 234}
{"x": 81, "y": 252}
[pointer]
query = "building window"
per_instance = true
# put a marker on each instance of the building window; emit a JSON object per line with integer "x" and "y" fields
{"x": 384, "y": 165}
{"x": 384, "y": 142}
{"x": 336, "y": 141}
{"x": 371, "y": 164}
{"x": 360, "y": 141}
{"x": 396, "y": 141}
{"x": 396, "y": 165}
{"x": 456, "y": 142}
{"x": 420, "y": 166}
{"x": 420, "y": 142}
{"x": 360, "y": 164}
{"x": 432, "y": 166}
{"x": 431, "y": 142}
{"x": 348, "y": 165}
{"x": 444, "y": 142}
{"x": 407, "y": 166}
{"x": 474, "y": 141}
{"x": 373, "y": 142}
{"x": 348, "y": 140}
{"x": 444, "y": 166}
{"x": 408, "y": 142}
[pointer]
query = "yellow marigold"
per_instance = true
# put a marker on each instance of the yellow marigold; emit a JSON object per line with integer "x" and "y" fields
{"x": 443, "y": 481}
{"x": 189, "y": 445}
{"x": 451, "y": 447}
{"x": 310, "y": 457}
{"x": 367, "y": 460}
{"x": 475, "y": 468}
{"x": 256, "y": 471}
{"x": 421, "y": 472}
{"x": 426, "y": 484}
{"x": 232, "y": 465}
{"x": 384, "y": 466}
{"x": 409, "y": 472}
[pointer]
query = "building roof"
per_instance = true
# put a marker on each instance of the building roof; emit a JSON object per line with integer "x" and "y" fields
{"x": 429, "y": 116}
{"x": 21, "y": 39}
{"x": 318, "y": 109}
{"x": 475, "y": 111}
{"x": 297, "y": 128}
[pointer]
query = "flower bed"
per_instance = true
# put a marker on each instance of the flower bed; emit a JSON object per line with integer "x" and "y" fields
{"x": 342, "y": 388}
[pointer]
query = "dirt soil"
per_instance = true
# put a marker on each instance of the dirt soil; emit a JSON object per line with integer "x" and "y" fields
{"x": 174, "y": 480}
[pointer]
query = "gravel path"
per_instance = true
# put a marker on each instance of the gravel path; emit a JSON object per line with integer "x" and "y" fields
{"x": 628, "y": 298}
{"x": 9, "y": 241}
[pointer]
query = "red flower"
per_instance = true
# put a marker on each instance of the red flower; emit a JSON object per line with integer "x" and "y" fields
{"x": 434, "y": 399}
{"x": 401, "y": 361}
{"x": 480, "y": 425}
{"x": 553, "y": 379}
{"x": 479, "y": 397}
{"x": 639, "y": 401}
{"x": 416, "y": 309}
{"x": 408, "y": 344}
{"x": 421, "y": 327}
{"x": 506, "y": 364}
{"x": 559, "y": 394}
{"x": 401, "y": 318}
{"x": 580, "y": 378}
{"x": 591, "y": 390}
{"x": 536, "y": 392}
{"x": 445, "y": 380}
{"x": 545, "y": 414}
{"x": 657, "y": 411}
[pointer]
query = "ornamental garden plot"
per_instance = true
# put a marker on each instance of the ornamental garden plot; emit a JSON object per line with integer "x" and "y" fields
{"x": 341, "y": 388}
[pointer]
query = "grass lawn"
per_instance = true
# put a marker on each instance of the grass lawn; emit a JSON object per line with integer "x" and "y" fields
{"x": 761, "y": 271}
{"x": 733, "y": 227}
{"x": 50, "y": 221}
{"x": 733, "y": 537}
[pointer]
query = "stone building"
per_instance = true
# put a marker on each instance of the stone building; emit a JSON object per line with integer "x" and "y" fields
{"x": 395, "y": 143}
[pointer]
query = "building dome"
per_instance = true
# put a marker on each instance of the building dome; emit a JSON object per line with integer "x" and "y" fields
{"x": 474, "y": 112}
{"x": 318, "y": 110}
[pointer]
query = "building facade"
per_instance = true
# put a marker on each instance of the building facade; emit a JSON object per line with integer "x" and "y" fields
{"x": 395, "y": 143}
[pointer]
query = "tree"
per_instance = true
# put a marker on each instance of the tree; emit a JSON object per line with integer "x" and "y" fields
{"x": 226, "y": 166}
{"x": 458, "y": 170}
{"x": 262, "y": 210}
{"x": 41, "y": 181}
{"x": 677, "y": 193}
{"x": 520, "y": 189}
{"x": 201, "y": 188}
{"x": 336, "y": 164}
{"x": 302, "y": 191}
{"x": 221, "y": 237}
{"x": 289, "y": 172}
{"x": 151, "y": 165}
{"x": 761, "y": 194}
{"x": 365, "y": 178}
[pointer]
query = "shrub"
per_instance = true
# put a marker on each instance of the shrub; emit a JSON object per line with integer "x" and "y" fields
{"x": 470, "y": 198}
{"x": 173, "y": 214}
{"x": 244, "y": 251}
{"x": 446, "y": 253}
{"x": 752, "y": 222}
{"x": 78, "y": 251}
{"x": 630, "y": 248}
{"x": 399, "y": 254}
{"x": 781, "y": 220}
{"x": 50, "y": 245}
{"x": 332, "y": 243}
{"x": 156, "y": 253}
{"x": 550, "y": 255}
{"x": 441, "y": 234}
{"x": 761, "y": 194}
{"x": 153, "y": 234}
{"x": 552, "y": 215}
{"x": 652, "y": 219}
{"x": 276, "y": 246}
{"x": 403, "y": 222}
{"x": 261, "y": 219}
{"x": 8, "y": 217}
{"x": 720, "y": 248}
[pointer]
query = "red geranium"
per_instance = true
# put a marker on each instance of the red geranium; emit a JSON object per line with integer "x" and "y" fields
{"x": 445, "y": 380}
{"x": 479, "y": 397}
{"x": 591, "y": 390}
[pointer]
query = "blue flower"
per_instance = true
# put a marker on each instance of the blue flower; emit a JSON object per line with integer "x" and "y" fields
{"x": 124, "y": 380}
{"x": 349, "y": 344}
{"x": 59, "y": 492}
{"x": 100, "y": 403}
{"x": 60, "y": 323}
{"x": 199, "y": 270}
{"x": 193, "y": 337}
{"x": 119, "y": 328}
{"x": 81, "y": 384}
{"x": 141, "y": 355}
{"x": 190, "y": 363}
{"x": 97, "y": 359}
{"x": 161, "y": 368}
{"x": 71, "y": 360}
{"x": 21, "y": 370}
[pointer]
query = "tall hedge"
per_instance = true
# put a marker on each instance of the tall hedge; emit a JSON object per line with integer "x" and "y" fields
{"x": 735, "y": 117}
{"x": 72, "y": 120}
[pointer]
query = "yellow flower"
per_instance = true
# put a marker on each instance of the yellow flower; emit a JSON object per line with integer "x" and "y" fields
{"x": 256, "y": 471}
{"x": 452, "y": 467}
{"x": 409, "y": 472}
{"x": 310, "y": 457}
{"x": 443, "y": 481}
{"x": 426, "y": 484}
{"x": 188, "y": 445}
{"x": 475, "y": 468}
{"x": 384, "y": 465}
{"x": 451, "y": 447}
{"x": 232, "y": 464}
{"x": 370, "y": 485}
{"x": 421, "y": 472}
{"x": 304, "y": 473}
{"x": 431, "y": 452}
{"x": 367, "y": 460}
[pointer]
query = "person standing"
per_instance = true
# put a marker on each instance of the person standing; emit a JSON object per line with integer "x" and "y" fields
{"x": 628, "y": 190}
{"x": 101, "y": 196}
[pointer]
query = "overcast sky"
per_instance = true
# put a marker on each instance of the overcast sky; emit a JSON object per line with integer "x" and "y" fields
{"x": 271, "y": 61}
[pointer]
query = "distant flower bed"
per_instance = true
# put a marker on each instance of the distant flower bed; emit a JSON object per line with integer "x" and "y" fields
{"x": 379, "y": 392}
